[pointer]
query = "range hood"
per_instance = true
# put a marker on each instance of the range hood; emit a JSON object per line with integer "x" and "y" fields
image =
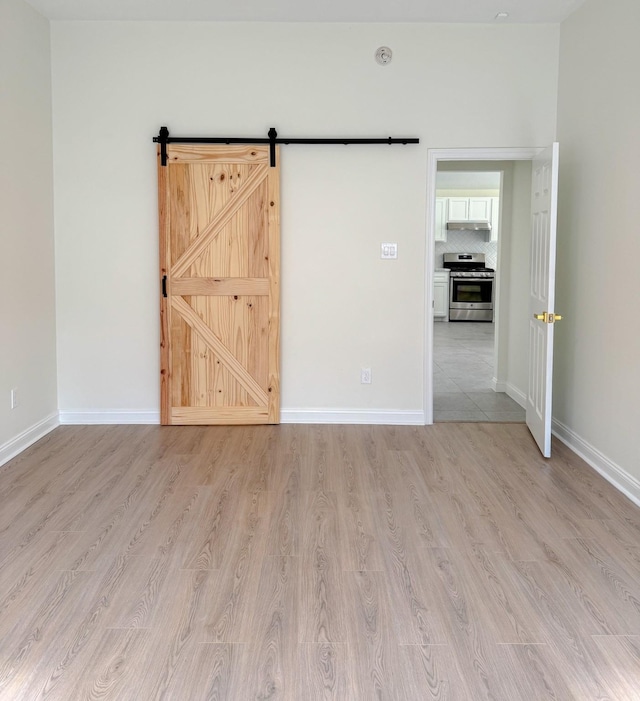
{"x": 478, "y": 225}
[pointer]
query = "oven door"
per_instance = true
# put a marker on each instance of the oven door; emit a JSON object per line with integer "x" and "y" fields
{"x": 471, "y": 293}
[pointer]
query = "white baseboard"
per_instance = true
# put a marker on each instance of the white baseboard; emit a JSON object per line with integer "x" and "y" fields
{"x": 516, "y": 395}
{"x": 498, "y": 386}
{"x": 22, "y": 441}
{"x": 613, "y": 473}
{"x": 352, "y": 416}
{"x": 287, "y": 416}
{"x": 110, "y": 416}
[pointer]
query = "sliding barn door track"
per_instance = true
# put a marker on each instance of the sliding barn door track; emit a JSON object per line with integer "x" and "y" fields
{"x": 272, "y": 139}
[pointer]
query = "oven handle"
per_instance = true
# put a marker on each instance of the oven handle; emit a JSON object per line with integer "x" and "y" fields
{"x": 472, "y": 279}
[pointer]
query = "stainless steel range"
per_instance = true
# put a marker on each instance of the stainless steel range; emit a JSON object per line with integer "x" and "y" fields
{"x": 470, "y": 287}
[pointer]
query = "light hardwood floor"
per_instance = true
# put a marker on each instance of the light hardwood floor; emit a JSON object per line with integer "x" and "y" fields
{"x": 314, "y": 562}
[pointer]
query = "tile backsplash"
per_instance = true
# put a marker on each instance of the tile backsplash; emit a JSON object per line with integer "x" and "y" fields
{"x": 467, "y": 242}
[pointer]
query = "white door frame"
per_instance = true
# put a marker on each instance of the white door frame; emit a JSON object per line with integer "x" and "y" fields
{"x": 433, "y": 156}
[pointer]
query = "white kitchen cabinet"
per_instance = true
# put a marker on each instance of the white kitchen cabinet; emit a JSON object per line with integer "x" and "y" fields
{"x": 480, "y": 208}
{"x": 441, "y": 218}
{"x": 458, "y": 209}
{"x": 468, "y": 209}
{"x": 441, "y": 295}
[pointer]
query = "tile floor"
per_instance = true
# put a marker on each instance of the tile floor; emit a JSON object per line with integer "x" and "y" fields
{"x": 462, "y": 374}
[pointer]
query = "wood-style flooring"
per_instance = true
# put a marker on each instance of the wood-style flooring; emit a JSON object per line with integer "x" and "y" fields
{"x": 314, "y": 562}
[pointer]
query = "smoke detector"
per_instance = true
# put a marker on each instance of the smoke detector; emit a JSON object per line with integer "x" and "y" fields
{"x": 384, "y": 55}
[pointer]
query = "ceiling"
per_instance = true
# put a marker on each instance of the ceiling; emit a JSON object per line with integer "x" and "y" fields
{"x": 520, "y": 11}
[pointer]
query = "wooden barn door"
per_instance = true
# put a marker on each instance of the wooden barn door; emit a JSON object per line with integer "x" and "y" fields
{"x": 219, "y": 264}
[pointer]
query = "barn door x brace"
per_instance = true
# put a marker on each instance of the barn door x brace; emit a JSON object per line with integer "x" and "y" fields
{"x": 272, "y": 139}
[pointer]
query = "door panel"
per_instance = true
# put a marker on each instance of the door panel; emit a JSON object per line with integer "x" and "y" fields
{"x": 458, "y": 209}
{"x": 544, "y": 205}
{"x": 219, "y": 235}
{"x": 480, "y": 208}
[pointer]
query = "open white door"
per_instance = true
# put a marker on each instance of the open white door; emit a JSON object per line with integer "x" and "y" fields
{"x": 544, "y": 207}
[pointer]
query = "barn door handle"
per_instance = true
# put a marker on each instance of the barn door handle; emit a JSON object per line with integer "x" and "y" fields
{"x": 164, "y": 285}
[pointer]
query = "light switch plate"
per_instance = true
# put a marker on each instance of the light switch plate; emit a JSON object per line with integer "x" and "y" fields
{"x": 388, "y": 251}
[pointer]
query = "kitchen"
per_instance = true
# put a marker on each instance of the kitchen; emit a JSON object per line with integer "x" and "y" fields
{"x": 469, "y": 202}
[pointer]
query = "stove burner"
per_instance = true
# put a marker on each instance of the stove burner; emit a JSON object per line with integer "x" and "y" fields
{"x": 472, "y": 270}
{"x": 485, "y": 273}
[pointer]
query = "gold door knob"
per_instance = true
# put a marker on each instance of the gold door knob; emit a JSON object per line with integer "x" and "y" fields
{"x": 548, "y": 317}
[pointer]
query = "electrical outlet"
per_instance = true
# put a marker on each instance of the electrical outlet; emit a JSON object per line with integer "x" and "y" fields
{"x": 14, "y": 398}
{"x": 365, "y": 376}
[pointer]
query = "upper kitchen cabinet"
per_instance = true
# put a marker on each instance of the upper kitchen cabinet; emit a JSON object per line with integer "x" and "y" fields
{"x": 486, "y": 208}
{"x": 465, "y": 192}
{"x": 458, "y": 209}
{"x": 441, "y": 218}
{"x": 480, "y": 208}
{"x": 468, "y": 209}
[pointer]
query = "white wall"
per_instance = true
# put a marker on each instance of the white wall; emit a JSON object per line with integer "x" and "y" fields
{"x": 597, "y": 378}
{"x": 519, "y": 264}
{"x": 27, "y": 306}
{"x": 115, "y": 84}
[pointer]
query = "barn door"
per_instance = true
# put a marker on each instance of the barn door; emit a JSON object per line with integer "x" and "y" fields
{"x": 219, "y": 264}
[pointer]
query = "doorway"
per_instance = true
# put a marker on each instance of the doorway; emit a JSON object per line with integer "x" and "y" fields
{"x": 465, "y": 356}
{"x": 477, "y": 371}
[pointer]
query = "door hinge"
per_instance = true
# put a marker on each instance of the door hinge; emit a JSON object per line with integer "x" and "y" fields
{"x": 164, "y": 285}
{"x": 548, "y": 317}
